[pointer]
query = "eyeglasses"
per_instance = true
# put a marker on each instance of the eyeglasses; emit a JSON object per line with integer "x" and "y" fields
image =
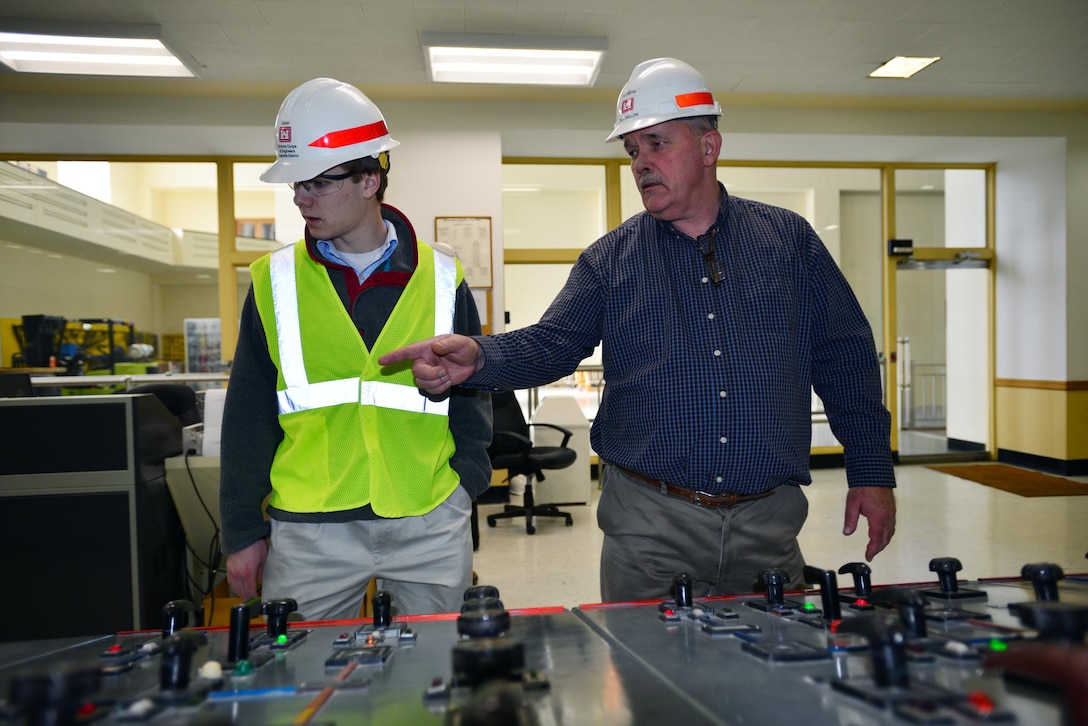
{"x": 322, "y": 184}
{"x": 714, "y": 267}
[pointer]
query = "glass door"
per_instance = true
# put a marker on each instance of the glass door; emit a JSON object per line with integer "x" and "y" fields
{"x": 940, "y": 289}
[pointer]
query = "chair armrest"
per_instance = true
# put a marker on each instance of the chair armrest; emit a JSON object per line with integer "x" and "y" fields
{"x": 566, "y": 432}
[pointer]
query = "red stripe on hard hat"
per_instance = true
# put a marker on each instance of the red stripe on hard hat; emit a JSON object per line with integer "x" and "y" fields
{"x": 347, "y": 137}
{"x": 703, "y": 98}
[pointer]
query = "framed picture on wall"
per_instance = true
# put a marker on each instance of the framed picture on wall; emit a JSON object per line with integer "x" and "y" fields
{"x": 470, "y": 237}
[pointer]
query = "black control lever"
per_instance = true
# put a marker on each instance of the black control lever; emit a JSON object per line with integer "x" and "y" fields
{"x": 1055, "y": 621}
{"x": 911, "y": 606}
{"x": 238, "y": 639}
{"x": 383, "y": 609}
{"x": 175, "y": 616}
{"x": 681, "y": 586}
{"x": 1044, "y": 578}
{"x": 862, "y": 582}
{"x": 888, "y": 648}
{"x": 275, "y": 613}
{"x": 775, "y": 580}
{"x": 946, "y": 569}
{"x": 829, "y": 590}
{"x": 176, "y": 660}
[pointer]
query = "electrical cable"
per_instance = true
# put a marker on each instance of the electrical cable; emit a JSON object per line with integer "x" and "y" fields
{"x": 211, "y": 565}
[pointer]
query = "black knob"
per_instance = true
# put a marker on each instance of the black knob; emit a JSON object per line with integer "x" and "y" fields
{"x": 946, "y": 569}
{"x": 275, "y": 613}
{"x": 483, "y": 619}
{"x": 238, "y": 638}
{"x": 53, "y": 698}
{"x": 176, "y": 659}
{"x": 829, "y": 590}
{"x": 175, "y": 616}
{"x": 1056, "y": 621}
{"x": 681, "y": 586}
{"x": 775, "y": 580}
{"x": 481, "y": 592}
{"x": 1044, "y": 578}
{"x": 862, "y": 582}
{"x": 887, "y": 645}
{"x": 383, "y": 609}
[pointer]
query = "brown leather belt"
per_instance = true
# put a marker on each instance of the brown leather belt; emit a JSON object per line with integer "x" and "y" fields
{"x": 703, "y": 499}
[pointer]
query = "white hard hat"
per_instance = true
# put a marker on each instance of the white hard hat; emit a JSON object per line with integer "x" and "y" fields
{"x": 324, "y": 123}
{"x": 661, "y": 90}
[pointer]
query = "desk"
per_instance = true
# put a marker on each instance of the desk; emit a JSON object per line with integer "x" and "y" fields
{"x": 194, "y": 486}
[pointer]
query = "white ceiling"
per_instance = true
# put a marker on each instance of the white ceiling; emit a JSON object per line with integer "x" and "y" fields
{"x": 1011, "y": 49}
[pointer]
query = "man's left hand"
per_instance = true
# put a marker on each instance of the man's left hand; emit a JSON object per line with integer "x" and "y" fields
{"x": 877, "y": 505}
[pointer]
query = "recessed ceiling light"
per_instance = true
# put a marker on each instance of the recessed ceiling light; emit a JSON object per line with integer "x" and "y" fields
{"x": 106, "y": 270}
{"x": 97, "y": 49}
{"x": 903, "y": 66}
{"x": 513, "y": 59}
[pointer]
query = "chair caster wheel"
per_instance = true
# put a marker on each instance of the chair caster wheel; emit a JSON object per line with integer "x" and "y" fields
{"x": 570, "y": 523}
{"x": 530, "y": 529}
{"x": 490, "y": 523}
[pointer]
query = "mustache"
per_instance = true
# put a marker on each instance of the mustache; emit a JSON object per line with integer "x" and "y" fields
{"x": 649, "y": 179}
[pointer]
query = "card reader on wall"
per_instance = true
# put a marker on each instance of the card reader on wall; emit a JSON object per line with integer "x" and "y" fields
{"x": 900, "y": 247}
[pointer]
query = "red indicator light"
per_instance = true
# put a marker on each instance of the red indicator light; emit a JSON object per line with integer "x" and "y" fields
{"x": 114, "y": 649}
{"x": 85, "y": 709}
{"x": 835, "y": 625}
{"x": 981, "y": 702}
{"x": 861, "y": 603}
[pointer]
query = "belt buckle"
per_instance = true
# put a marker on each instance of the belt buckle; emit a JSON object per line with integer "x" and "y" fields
{"x": 714, "y": 500}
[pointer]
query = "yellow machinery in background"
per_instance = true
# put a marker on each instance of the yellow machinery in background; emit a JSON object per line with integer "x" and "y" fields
{"x": 91, "y": 346}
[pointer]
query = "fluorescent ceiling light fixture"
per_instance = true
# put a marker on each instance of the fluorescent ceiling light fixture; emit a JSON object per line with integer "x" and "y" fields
{"x": 513, "y": 59}
{"x": 903, "y": 66}
{"x": 94, "y": 49}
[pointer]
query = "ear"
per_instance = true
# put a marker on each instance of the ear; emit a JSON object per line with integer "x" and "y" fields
{"x": 712, "y": 147}
{"x": 370, "y": 184}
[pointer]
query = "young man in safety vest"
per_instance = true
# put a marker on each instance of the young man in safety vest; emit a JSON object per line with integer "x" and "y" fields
{"x": 367, "y": 477}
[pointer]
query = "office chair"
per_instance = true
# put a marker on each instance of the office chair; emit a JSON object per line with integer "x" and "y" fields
{"x": 513, "y": 450}
{"x": 178, "y": 398}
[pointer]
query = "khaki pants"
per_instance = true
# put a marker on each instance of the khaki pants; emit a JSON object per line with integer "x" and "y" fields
{"x": 424, "y": 562}
{"x": 650, "y": 537}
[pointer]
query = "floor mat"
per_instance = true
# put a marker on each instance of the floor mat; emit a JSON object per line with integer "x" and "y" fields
{"x": 1024, "y": 482}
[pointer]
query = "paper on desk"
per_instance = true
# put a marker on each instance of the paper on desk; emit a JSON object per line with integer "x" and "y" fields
{"x": 213, "y": 419}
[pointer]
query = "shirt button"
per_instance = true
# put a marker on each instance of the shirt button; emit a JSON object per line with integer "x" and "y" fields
{"x": 710, "y": 316}
{"x": 705, "y": 280}
{"x": 723, "y": 439}
{"x": 718, "y": 479}
{"x": 717, "y": 354}
{"x": 722, "y": 394}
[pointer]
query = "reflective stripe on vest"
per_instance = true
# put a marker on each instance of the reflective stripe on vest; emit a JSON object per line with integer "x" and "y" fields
{"x": 301, "y": 395}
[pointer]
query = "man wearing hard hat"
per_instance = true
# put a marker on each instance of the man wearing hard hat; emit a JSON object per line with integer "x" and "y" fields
{"x": 718, "y": 317}
{"x": 364, "y": 477}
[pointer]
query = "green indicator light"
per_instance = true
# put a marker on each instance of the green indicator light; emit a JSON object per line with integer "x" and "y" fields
{"x": 809, "y": 606}
{"x": 998, "y": 645}
{"x": 243, "y": 668}
{"x": 281, "y": 639}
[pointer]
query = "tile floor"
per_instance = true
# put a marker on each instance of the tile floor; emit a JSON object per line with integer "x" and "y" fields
{"x": 993, "y": 533}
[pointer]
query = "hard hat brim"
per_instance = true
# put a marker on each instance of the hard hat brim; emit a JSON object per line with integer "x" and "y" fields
{"x": 296, "y": 170}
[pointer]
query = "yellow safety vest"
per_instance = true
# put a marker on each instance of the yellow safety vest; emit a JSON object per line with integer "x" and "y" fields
{"x": 353, "y": 433}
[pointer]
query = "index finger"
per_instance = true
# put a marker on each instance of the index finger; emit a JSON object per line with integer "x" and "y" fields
{"x": 419, "y": 349}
